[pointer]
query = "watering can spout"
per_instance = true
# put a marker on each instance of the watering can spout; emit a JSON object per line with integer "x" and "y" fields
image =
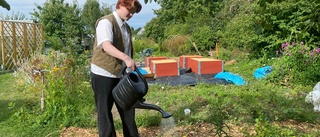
{"x": 141, "y": 105}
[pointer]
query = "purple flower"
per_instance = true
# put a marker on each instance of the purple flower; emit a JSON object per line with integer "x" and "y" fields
{"x": 311, "y": 54}
{"x": 293, "y": 43}
{"x": 277, "y": 52}
{"x": 283, "y": 45}
{"x": 318, "y": 50}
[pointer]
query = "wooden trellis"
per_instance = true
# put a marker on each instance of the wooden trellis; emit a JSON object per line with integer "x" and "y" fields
{"x": 18, "y": 40}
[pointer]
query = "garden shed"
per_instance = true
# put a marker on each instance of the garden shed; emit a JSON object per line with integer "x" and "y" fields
{"x": 19, "y": 38}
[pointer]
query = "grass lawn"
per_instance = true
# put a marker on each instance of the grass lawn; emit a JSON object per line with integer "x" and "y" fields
{"x": 12, "y": 99}
{"x": 9, "y": 96}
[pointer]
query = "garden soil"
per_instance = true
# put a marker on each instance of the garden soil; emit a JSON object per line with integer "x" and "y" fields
{"x": 194, "y": 130}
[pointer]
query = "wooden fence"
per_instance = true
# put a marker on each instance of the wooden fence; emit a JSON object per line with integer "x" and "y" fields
{"x": 18, "y": 40}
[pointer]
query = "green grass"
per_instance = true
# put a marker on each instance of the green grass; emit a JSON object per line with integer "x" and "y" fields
{"x": 8, "y": 94}
{"x": 12, "y": 100}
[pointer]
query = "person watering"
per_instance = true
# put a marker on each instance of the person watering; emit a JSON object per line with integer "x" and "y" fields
{"x": 113, "y": 51}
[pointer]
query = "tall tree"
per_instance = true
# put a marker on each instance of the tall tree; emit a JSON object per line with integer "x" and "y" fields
{"x": 90, "y": 13}
{"x": 61, "y": 23}
{"x": 106, "y": 8}
{"x": 193, "y": 13}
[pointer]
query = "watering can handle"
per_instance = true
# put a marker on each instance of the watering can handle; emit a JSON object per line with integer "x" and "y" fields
{"x": 141, "y": 76}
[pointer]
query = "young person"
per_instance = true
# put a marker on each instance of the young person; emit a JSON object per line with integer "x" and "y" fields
{"x": 112, "y": 52}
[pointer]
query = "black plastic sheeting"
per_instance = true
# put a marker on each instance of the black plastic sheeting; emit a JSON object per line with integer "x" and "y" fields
{"x": 187, "y": 77}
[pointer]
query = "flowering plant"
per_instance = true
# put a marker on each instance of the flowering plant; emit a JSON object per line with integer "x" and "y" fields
{"x": 297, "y": 63}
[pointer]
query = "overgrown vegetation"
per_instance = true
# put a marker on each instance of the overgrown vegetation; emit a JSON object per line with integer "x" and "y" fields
{"x": 283, "y": 34}
{"x": 69, "y": 102}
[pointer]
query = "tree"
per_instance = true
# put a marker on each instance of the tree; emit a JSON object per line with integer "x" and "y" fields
{"x": 89, "y": 15}
{"x": 91, "y": 12}
{"x": 61, "y": 23}
{"x": 154, "y": 29}
{"x": 4, "y": 4}
{"x": 187, "y": 14}
{"x": 288, "y": 21}
{"x": 106, "y": 8}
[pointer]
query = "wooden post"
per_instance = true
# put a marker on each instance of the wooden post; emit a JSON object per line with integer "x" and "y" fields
{"x": 25, "y": 40}
{"x": 34, "y": 37}
{"x": 14, "y": 41}
{"x": 2, "y": 44}
{"x": 217, "y": 50}
{"x": 41, "y": 37}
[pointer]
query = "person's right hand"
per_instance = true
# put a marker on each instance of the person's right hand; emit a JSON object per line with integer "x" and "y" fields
{"x": 129, "y": 63}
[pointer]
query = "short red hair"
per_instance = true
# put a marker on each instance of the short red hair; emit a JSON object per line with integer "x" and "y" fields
{"x": 131, "y": 5}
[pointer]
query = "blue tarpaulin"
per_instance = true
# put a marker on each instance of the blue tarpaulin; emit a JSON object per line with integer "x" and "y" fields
{"x": 142, "y": 71}
{"x": 230, "y": 77}
{"x": 262, "y": 72}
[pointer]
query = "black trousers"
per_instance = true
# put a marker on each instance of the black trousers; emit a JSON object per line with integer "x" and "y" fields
{"x": 102, "y": 87}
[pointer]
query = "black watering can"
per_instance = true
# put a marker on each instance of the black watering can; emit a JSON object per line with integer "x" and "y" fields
{"x": 130, "y": 91}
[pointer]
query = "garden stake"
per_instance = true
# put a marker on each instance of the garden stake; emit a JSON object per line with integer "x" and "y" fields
{"x": 217, "y": 49}
{"x": 36, "y": 72}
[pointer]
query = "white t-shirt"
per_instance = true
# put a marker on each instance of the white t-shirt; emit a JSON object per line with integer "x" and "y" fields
{"x": 104, "y": 33}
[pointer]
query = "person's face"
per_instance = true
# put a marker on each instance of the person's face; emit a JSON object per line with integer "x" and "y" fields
{"x": 127, "y": 14}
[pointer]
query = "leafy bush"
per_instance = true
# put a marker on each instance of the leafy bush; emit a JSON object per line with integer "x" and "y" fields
{"x": 239, "y": 33}
{"x": 176, "y": 45}
{"x": 141, "y": 45}
{"x": 292, "y": 20}
{"x": 154, "y": 29}
{"x": 203, "y": 37}
{"x": 297, "y": 63}
{"x": 54, "y": 42}
{"x": 177, "y": 29}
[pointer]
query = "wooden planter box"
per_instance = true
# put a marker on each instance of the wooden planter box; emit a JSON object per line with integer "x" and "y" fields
{"x": 205, "y": 65}
{"x": 184, "y": 59}
{"x": 168, "y": 67}
{"x": 147, "y": 60}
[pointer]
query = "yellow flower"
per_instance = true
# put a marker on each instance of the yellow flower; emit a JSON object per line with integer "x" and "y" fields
{"x": 55, "y": 69}
{"x": 31, "y": 88}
